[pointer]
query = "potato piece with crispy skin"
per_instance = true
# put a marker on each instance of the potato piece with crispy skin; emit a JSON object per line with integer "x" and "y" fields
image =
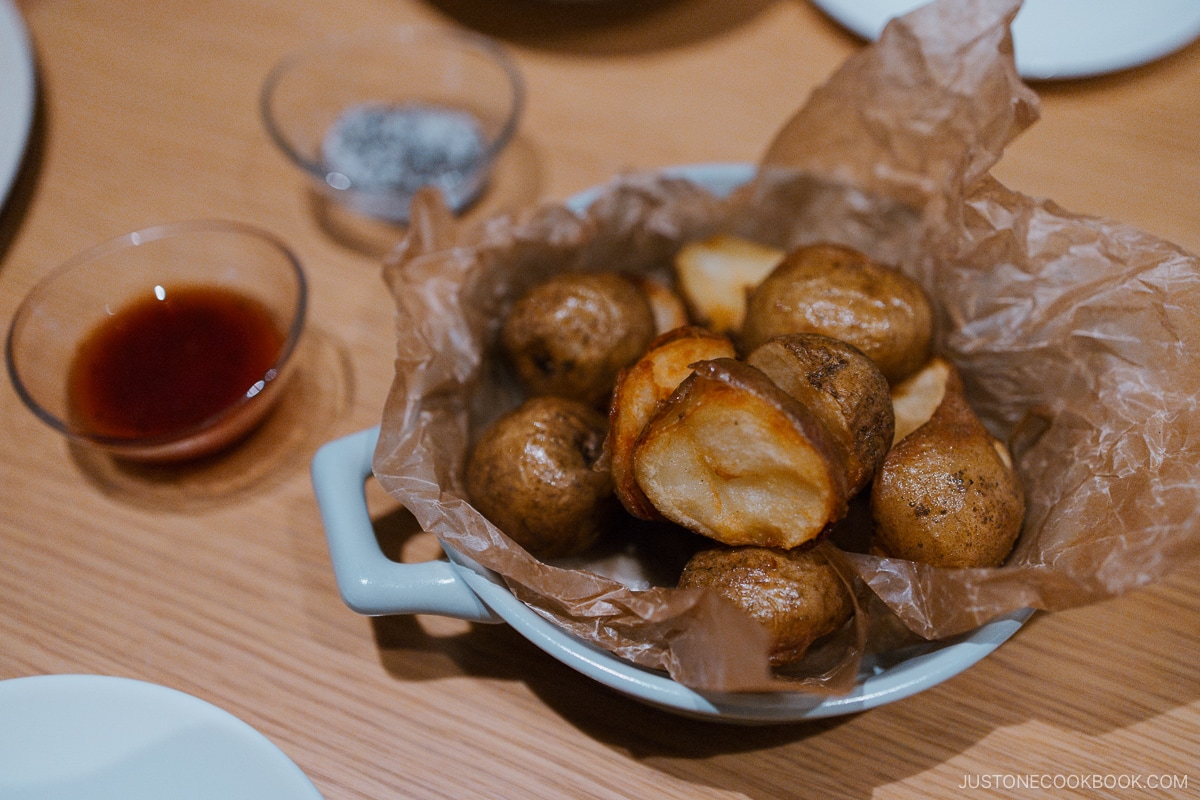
{"x": 795, "y": 594}
{"x": 639, "y": 392}
{"x": 733, "y": 457}
{"x": 715, "y": 275}
{"x": 916, "y": 397}
{"x": 845, "y": 390}
{"x": 947, "y": 494}
{"x": 569, "y": 335}
{"x": 839, "y": 292}
{"x": 533, "y": 475}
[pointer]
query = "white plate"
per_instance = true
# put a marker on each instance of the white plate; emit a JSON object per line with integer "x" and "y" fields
{"x": 16, "y": 94}
{"x": 1056, "y": 39}
{"x": 88, "y": 737}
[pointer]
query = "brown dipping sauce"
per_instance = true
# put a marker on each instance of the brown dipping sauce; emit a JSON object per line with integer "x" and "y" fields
{"x": 159, "y": 367}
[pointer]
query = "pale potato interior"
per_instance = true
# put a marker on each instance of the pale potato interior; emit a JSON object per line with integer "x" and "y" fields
{"x": 736, "y": 469}
{"x": 916, "y": 398}
{"x": 715, "y": 274}
{"x": 639, "y": 393}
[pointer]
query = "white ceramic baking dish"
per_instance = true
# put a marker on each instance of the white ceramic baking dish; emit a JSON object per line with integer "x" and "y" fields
{"x": 372, "y": 584}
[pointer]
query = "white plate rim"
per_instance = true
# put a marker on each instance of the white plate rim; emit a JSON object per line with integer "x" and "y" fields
{"x": 1119, "y": 34}
{"x": 78, "y": 695}
{"x": 17, "y": 94}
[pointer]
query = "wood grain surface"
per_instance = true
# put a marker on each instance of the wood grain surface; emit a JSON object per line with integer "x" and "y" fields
{"x": 215, "y": 579}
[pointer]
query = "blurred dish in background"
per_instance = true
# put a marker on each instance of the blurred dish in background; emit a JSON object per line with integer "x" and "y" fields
{"x": 1060, "y": 39}
{"x": 373, "y": 117}
{"x": 17, "y": 88}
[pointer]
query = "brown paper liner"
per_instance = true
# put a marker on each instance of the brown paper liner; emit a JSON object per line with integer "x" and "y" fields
{"x": 1077, "y": 338}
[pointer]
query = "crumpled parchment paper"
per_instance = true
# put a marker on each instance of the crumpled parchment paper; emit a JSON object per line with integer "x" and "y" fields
{"x": 1078, "y": 337}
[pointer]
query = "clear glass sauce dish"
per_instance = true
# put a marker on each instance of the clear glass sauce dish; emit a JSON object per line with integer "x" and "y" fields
{"x": 164, "y": 344}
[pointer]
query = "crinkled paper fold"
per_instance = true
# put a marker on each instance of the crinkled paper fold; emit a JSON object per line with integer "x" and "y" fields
{"x": 1078, "y": 337}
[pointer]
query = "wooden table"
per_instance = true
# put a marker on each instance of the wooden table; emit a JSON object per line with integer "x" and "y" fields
{"x": 216, "y": 580}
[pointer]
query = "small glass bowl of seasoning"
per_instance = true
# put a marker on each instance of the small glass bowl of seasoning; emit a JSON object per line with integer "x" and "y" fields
{"x": 162, "y": 345}
{"x": 374, "y": 116}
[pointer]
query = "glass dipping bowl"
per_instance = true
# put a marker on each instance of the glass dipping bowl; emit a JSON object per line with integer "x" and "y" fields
{"x": 94, "y": 291}
{"x": 371, "y": 117}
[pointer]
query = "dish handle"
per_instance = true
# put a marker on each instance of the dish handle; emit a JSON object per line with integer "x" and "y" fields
{"x": 371, "y": 583}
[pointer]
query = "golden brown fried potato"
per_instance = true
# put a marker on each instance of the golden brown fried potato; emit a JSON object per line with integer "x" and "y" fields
{"x": 841, "y": 293}
{"x": 796, "y": 595}
{"x": 715, "y": 275}
{"x": 639, "y": 392}
{"x": 532, "y": 474}
{"x": 842, "y": 387}
{"x": 733, "y": 457}
{"x": 569, "y": 335}
{"x": 916, "y": 397}
{"x": 947, "y": 493}
{"x": 670, "y": 311}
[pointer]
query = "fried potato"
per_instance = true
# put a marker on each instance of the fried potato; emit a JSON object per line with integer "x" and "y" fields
{"x": 669, "y": 310}
{"x": 714, "y": 276}
{"x": 795, "y": 594}
{"x": 569, "y": 335}
{"x": 842, "y": 387}
{"x": 947, "y": 493}
{"x": 841, "y": 293}
{"x": 641, "y": 389}
{"x": 733, "y": 457}
{"x": 533, "y": 475}
{"x": 916, "y": 397}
